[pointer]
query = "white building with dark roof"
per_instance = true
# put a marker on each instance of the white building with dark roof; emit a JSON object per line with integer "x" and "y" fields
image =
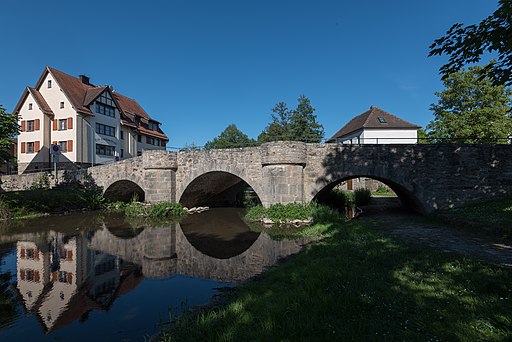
{"x": 90, "y": 124}
{"x": 376, "y": 126}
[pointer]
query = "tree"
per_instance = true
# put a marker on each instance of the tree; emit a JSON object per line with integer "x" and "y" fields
{"x": 471, "y": 107}
{"x": 466, "y": 45}
{"x": 298, "y": 125}
{"x": 9, "y": 128}
{"x": 231, "y": 137}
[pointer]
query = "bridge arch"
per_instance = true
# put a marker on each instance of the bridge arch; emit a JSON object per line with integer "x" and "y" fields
{"x": 407, "y": 197}
{"x": 216, "y": 188}
{"x": 124, "y": 190}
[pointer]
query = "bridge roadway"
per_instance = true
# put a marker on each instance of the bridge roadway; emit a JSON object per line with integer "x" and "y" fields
{"x": 425, "y": 177}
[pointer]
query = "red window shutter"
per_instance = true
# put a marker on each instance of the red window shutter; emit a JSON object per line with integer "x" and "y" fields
{"x": 37, "y": 124}
{"x": 54, "y": 124}
{"x": 54, "y": 142}
{"x": 54, "y": 276}
{"x": 37, "y": 254}
{"x": 37, "y": 146}
{"x": 36, "y": 276}
{"x": 70, "y": 145}
{"x": 22, "y": 274}
{"x": 22, "y": 253}
{"x": 70, "y": 123}
{"x": 23, "y": 125}
{"x": 70, "y": 255}
{"x": 23, "y": 147}
{"x": 70, "y": 278}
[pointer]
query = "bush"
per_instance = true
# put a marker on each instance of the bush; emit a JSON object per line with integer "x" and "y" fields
{"x": 338, "y": 198}
{"x": 42, "y": 181}
{"x": 282, "y": 213}
{"x": 362, "y": 196}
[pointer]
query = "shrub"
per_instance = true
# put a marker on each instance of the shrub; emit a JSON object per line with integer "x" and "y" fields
{"x": 362, "y": 196}
{"x": 5, "y": 211}
{"x": 281, "y": 213}
{"x": 42, "y": 181}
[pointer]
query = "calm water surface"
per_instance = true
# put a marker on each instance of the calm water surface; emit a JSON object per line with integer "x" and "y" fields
{"x": 104, "y": 277}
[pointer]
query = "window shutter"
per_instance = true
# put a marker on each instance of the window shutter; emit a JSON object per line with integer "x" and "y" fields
{"x": 70, "y": 123}
{"x": 54, "y": 142}
{"x": 22, "y": 253}
{"x": 70, "y": 145}
{"x": 22, "y": 274}
{"x": 37, "y": 124}
{"x": 36, "y": 276}
{"x": 70, "y": 278}
{"x": 37, "y": 146}
{"x": 54, "y": 276}
{"x": 23, "y": 125}
{"x": 54, "y": 124}
{"x": 70, "y": 255}
{"x": 23, "y": 146}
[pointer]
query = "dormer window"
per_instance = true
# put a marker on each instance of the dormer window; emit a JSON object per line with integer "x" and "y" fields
{"x": 30, "y": 106}
{"x": 382, "y": 120}
{"x": 49, "y": 83}
{"x": 62, "y": 105}
{"x": 153, "y": 126}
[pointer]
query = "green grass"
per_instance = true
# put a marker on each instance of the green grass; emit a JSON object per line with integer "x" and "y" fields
{"x": 161, "y": 210}
{"x": 282, "y": 213}
{"x": 495, "y": 213}
{"x": 20, "y": 204}
{"x": 359, "y": 284}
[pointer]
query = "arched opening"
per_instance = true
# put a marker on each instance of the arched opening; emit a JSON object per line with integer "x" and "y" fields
{"x": 121, "y": 227}
{"x": 124, "y": 191}
{"x": 396, "y": 196}
{"x": 219, "y": 189}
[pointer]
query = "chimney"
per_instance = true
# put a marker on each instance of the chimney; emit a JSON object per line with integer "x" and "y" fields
{"x": 84, "y": 79}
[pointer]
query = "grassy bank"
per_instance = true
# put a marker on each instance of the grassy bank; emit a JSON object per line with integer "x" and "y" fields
{"x": 496, "y": 214}
{"x": 161, "y": 210}
{"x": 20, "y": 204}
{"x": 359, "y": 284}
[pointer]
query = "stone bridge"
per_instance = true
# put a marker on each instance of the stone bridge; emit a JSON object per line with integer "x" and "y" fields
{"x": 425, "y": 177}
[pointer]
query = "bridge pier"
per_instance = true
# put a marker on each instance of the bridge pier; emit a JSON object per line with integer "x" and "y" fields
{"x": 160, "y": 175}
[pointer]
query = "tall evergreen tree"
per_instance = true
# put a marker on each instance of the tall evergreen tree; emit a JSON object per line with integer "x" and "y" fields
{"x": 471, "y": 107}
{"x": 298, "y": 125}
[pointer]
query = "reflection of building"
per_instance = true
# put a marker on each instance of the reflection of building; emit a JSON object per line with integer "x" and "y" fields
{"x": 376, "y": 126}
{"x": 90, "y": 124}
{"x": 61, "y": 280}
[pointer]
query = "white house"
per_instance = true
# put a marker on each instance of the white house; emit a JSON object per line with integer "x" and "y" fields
{"x": 376, "y": 126}
{"x": 90, "y": 124}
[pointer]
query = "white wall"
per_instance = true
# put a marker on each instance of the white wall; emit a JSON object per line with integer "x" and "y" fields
{"x": 33, "y": 114}
{"x": 389, "y": 136}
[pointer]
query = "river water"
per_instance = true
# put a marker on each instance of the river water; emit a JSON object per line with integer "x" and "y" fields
{"x": 104, "y": 277}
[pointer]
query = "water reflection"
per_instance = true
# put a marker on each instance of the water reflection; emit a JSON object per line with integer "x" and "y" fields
{"x": 68, "y": 267}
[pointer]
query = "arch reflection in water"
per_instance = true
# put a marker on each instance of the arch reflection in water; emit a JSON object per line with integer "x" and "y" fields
{"x": 67, "y": 274}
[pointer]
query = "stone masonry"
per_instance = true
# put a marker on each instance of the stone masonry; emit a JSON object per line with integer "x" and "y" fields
{"x": 425, "y": 177}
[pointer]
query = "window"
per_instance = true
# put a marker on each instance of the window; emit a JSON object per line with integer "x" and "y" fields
{"x": 63, "y": 124}
{"x": 105, "y": 98}
{"x": 29, "y": 275}
{"x": 122, "y": 134}
{"x": 63, "y": 276}
{"x": 105, "y": 150}
{"x": 139, "y": 153}
{"x": 63, "y": 146}
{"x": 30, "y": 125}
{"x": 121, "y": 154}
{"x": 49, "y": 83}
{"x": 30, "y": 147}
{"x": 105, "y": 110}
{"x": 153, "y": 126}
{"x": 105, "y": 130}
{"x": 30, "y": 253}
{"x": 30, "y": 106}
{"x": 139, "y": 138}
{"x": 62, "y": 105}
{"x": 382, "y": 120}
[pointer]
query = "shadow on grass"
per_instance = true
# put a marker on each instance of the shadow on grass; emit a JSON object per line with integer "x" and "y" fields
{"x": 359, "y": 284}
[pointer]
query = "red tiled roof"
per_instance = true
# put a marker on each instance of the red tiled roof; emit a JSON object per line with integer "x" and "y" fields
{"x": 130, "y": 106}
{"x": 92, "y": 93}
{"x": 74, "y": 89}
{"x": 370, "y": 119}
{"x": 41, "y": 102}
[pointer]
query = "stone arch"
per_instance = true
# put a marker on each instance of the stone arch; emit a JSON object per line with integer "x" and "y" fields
{"x": 209, "y": 187}
{"x": 124, "y": 190}
{"x": 405, "y": 195}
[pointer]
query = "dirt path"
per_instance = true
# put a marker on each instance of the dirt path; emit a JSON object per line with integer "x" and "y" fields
{"x": 409, "y": 226}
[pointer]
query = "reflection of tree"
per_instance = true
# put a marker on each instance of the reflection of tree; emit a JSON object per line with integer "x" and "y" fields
{"x": 8, "y": 312}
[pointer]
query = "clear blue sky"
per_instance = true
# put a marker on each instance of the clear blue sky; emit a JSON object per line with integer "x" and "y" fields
{"x": 198, "y": 66}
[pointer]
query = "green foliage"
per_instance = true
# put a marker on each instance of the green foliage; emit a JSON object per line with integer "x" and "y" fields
{"x": 231, "y": 137}
{"x": 5, "y": 210}
{"x": 471, "y": 107}
{"x": 362, "y": 196}
{"x": 190, "y": 148}
{"x": 338, "y": 199}
{"x": 42, "y": 181}
{"x": 293, "y": 125}
{"x": 9, "y": 128}
{"x": 466, "y": 45}
{"x": 148, "y": 210}
{"x": 283, "y": 213}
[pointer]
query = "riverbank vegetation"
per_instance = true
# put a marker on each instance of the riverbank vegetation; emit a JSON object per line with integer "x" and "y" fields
{"x": 41, "y": 201}
{"x": 140, "y": 209}
{"x": 287, "y": 213}
{"x": 361, "y": 284}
